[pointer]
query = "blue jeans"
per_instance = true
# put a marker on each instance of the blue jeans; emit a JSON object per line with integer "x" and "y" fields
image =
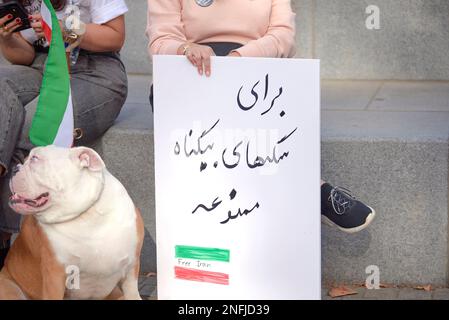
{"x": 99, "y": 90}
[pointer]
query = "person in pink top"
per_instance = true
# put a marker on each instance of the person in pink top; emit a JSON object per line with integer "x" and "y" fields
{"x": 200, "y": 29}
{"x": 257, "y": 28}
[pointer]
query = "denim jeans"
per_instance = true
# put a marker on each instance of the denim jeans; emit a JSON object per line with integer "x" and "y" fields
{"x": 99, "y": 90}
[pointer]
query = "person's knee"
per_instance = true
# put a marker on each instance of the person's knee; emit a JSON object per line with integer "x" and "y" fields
{"x": 92, "y": 123}
{"x": 8, "y": 96}
{"x": 6, "y": 73}
{"x": 4, "y": 84}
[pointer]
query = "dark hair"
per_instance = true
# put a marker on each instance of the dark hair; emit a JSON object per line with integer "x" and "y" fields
{"x": 57, "y": 4}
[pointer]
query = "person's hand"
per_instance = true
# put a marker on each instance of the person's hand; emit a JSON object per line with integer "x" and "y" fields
{"x": 234, "y": 54}
{"x": 36, "y": 24}
{"x": 199, "y": 56}
{"x": 7, "y": 29}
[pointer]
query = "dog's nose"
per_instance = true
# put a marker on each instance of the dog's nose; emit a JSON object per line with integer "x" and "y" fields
{"x": 16, "y": 169}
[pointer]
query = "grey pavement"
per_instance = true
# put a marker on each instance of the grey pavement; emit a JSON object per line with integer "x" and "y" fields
{"x": 404, "y": 293}
{"x": 417, "y": 110}
{"x": 148, "y": 290}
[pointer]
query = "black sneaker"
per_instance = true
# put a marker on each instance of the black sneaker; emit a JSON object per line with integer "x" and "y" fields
{"x": 340, "y": 209}
{"x": 4, "y": 249}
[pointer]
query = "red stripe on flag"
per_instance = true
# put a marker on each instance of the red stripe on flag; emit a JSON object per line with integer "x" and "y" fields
{"x": 201, "y": 276}
{"x": 47, "y": 31}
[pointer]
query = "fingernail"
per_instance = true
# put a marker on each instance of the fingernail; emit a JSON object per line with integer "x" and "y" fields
{"x": 207, "y": 74}
{"x": 10, "y": 16}
{"x": 30, "y": 17}
{"x": 18, "y": 20}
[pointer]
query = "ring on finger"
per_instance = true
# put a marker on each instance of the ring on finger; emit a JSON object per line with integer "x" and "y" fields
{"x": 5, "y": 28}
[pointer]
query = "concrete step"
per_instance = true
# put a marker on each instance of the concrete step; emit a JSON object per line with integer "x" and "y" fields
{"x": 386, "y": 141}
{"x": 411, "y": 42}
{"x": 389, "y": 143}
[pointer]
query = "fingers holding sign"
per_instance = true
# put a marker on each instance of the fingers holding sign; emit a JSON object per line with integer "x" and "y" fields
{"x": 199, "y": 56}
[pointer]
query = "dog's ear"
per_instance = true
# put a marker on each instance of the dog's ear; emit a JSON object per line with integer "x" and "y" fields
{"x": 87, "y": 158}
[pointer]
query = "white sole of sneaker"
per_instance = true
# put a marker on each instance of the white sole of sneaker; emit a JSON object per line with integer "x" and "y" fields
{"x": 368, "y": 221}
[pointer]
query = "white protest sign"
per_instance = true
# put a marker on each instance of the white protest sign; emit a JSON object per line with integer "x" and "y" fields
{"x": 238, "y": 179}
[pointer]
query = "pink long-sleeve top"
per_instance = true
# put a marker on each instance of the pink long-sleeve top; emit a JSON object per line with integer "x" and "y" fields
{"x": 265, "y": 28}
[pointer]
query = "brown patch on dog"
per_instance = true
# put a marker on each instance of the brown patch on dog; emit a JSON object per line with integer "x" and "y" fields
{"x": 140, "y": 237}
{"x": 116, "y": 294}
{"x": 31, "y": 265}
{"x": 32, "y": 270}
{"x": 8, "y": 289}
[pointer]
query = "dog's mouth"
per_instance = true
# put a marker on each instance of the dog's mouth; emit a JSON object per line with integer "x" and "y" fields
{"x": 17, "y": 200}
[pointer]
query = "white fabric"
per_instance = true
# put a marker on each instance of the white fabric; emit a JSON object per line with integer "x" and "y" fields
{"x": 91, "y": 11}
{"x": 46, "y": 16}
{"x": 64, "y": 137}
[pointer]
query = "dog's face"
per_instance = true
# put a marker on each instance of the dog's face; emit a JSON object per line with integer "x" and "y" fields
{"x": 57, "y": 184}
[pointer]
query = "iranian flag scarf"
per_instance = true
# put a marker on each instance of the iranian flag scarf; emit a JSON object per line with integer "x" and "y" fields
{"x": 53, "y": 122}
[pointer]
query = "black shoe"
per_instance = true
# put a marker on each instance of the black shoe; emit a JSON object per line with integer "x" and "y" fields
{"x": 4, "y": 249}
{"x": 340, "y": 209}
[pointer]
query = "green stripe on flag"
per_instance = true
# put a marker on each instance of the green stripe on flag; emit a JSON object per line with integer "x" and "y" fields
{"x": 201, "y": 253}
{"x": 55, "y": 90}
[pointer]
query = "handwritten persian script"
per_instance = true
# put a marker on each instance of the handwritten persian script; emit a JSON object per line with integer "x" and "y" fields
{"x": 237, "y": 163}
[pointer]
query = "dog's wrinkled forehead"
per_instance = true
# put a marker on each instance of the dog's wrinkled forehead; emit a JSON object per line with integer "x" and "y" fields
{"x": 49, "y": 153}
{"x": 66, "y": 161}
{"x": 45, "y": 164}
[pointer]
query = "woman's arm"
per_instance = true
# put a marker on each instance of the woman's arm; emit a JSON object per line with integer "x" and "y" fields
{"x": 164, "y": 29}
{"x": 106, "y": 37}
{"x": 12, "y": 45}
{"x": 279, "y": 41}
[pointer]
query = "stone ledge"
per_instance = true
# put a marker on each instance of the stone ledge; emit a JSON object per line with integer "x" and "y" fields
{"x": 411, "y": 44}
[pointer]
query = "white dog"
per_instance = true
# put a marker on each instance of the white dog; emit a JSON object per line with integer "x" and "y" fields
{"x": 79, "y": 222}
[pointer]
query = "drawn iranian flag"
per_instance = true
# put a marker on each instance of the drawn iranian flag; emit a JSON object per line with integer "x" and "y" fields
{"x": 53, "y": 121}
{"x": 202, "y": 264}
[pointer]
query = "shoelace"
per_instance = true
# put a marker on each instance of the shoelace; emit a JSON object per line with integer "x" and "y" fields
{"x": 341, "y": 200}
